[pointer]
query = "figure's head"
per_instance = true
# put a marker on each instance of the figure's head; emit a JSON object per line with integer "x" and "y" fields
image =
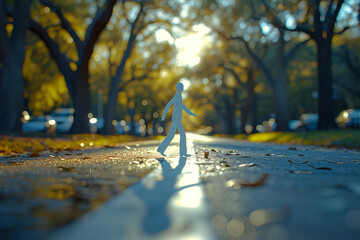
{"x": 179, "y": 87}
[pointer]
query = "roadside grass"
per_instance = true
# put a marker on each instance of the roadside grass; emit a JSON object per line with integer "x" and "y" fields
{"x": 349, "y": 138}
{"x": 13, "y": 145}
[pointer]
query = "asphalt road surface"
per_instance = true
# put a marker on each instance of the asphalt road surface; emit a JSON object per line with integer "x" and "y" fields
{"x": 271, "y": 191}
{"x": 227, "y": 189}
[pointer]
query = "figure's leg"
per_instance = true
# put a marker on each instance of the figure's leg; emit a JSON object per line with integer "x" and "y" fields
{"x": 183, "y": 150}
{"x": 165, "y": 143}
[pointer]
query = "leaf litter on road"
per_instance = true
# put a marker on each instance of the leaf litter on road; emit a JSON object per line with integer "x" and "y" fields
{"x": 298, "y": 162}
{"x": 34, "y": 154}
{"x": 237, "y": 183}
{"x": 319, "y": 168}
{"x": 301, "y": 172}
{"x": 66, "y": 169}
{"x": 249, "y": 165}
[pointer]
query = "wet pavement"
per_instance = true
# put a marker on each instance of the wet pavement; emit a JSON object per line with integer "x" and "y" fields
{"x": 169, "y": 203}
{"x": 270, "y": 191}
{"x": 227, "y": 189}
{"x": 41, "y": 194}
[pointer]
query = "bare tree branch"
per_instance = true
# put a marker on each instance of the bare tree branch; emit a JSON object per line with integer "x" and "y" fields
{"x": 94, "y": 30}
{"x": 301, "y": 28}
{"x": 333, "y": 16}
{"x": 329, "y": 11}
{"x": 343, "y": 30}
{"x": 256, "y": 58}
{"x": 64, "y": 22}
{"x": 235, "y": 75}
{"x": 294, "y": 50}
{"x": 124, "y": 13}
{"x": 55, "y": 53}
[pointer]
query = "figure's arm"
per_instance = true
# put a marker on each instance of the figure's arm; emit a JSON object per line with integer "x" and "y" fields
{"x": 188, "y": 111}
{"x": 167, "y": 109}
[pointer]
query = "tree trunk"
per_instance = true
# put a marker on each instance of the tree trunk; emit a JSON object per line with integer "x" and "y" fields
{"x": 11, "y": 80}
{"x": 11, "y": 94}
{"x": 221, "y": 120}
{"x": 109, "y": 113}
{"x": 131, "y": 111}
{"x": 280, "y": 98}
{"x": 277, "y": 83}
{"x": 230, "y": 110}
{"x": 325, "y": 101}
{"x": 281, "y": 108}
{"x": 244, "y": 116}
{"x": 77, "y": 81}
{"x": 250, "y": 85}
{"x": 81, "y": 101}
{"x": 115, "y": 80}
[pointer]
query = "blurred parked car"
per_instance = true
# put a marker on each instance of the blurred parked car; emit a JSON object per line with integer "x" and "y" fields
{"x": 96, "y": 124}
{"x": 40, "y": 124}
{"x": 308, "y": 121}
{"x": 64, "y": 118}
{"x": 25, "y": 116}
{"x": 294, "y": 124}
{"x": 349, "y": 118}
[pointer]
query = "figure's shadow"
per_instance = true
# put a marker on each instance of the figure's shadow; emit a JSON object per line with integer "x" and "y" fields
{"x": 157, "y": 218}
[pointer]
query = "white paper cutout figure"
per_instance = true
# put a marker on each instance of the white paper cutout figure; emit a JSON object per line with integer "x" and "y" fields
{"x": 176, "y": 122}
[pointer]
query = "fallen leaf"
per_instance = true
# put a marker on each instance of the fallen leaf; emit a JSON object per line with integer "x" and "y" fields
{"x": 301, "y": 172}
{"x": 298, "y": 162}
{"x": 67, "y": 169}
{"x": 34, "y": 154}
{"x": 257, "y": 183}
{"x": 292, "y": 148}
{"x": 236, "y": 183}
{"x": 109, "y": 146}
{"x": 320, "y": 168}
{"x": 249, "y": 165}
{"x": 206, "y": 154}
